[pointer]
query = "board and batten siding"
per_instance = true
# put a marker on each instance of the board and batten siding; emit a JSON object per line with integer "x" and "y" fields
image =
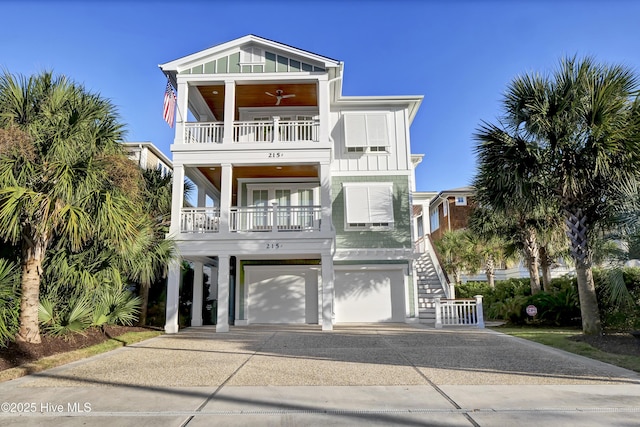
{"x": 397, "y": 159}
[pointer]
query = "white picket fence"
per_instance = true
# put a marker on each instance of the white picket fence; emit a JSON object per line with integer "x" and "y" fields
{"x": 459, "y": 312}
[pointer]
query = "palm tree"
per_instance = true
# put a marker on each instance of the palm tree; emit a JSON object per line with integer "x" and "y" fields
{"x": 63, "y": 177}
{"x": 458, "y": 254}
{"x": 494, "y": 239}
{"x": 571, "y": 137}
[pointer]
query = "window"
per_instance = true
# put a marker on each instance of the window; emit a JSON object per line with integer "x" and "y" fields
{"x": 366, "y": 133}
{"x": 252, "y": 55}
{"x": 434, "y": 220}
{"x": 445, "y": 208}
{"x": 368, "y": 205}
{"x": 461, "y": 201}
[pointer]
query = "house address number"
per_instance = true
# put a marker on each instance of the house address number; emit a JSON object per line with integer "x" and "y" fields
{"x": 275, "y": 154}
{"x": 274, "y": 245}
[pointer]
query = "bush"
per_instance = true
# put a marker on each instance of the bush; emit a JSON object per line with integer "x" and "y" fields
{"x": 9, "y": 301}
{"x": 623, "y": 316}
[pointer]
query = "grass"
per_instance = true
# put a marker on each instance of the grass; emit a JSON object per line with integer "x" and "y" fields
{"x": 64, "y": 358}
{"x": 559, "y": 338}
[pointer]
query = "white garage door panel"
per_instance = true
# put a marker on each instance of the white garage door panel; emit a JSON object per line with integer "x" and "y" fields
{"x": 282, "y": 295}
{"x": 369, "y": 296}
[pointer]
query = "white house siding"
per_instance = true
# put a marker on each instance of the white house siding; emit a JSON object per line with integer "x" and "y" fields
{"x": 282, "y": 294}
{"x": 367, "y": 294}
{"x": 396, "y": 160}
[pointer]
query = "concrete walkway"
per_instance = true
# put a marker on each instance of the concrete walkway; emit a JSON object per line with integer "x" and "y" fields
{"x": 405, "y": 375}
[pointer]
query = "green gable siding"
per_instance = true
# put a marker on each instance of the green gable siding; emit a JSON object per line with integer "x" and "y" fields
{"x": 231, "y": 64}
{"x": 221, "y": 65}
{"x": 283, "y": 64}
{"x": 210, "y": 67}
{"x": 234, "y": 63}
{"x": 399, "y": 237}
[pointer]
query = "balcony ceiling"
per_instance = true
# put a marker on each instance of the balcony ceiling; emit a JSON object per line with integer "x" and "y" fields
{"x": 266, "y": 172}
{"x": 253, "y": 95}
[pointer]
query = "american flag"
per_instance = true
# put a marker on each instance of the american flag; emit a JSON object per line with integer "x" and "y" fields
{"x": 169, "y": 113}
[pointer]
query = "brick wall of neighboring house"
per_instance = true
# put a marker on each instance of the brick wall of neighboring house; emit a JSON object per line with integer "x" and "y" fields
{"x": 457, "y": 217}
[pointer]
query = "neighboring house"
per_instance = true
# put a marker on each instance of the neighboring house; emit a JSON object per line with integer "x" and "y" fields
{"x": 148, "y": 156}
{"x": 303, "y": 211}
{"x": 450, "y": 210}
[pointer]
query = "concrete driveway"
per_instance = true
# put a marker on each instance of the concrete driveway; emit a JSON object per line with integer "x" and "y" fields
{"x": 391, "y": 374}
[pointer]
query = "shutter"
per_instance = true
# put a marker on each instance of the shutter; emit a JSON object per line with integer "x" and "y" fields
{"x": 356, "y": 204}
{"x": 377, "y": 132}
{"x": 380, "y": 203}
{"x": 371, "y": 203}
{"x": 355, "y": 130}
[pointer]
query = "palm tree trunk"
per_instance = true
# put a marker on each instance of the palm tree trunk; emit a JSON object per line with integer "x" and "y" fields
{"x": 490, "y": 270}
{"x": 546, "y": 269}
{"x": 144, "y": 293}
{"x": 576, "y": 223}
{"x": 533, "y": 260}
{"x": 32, "y": 255}
{"x": 588, "y": 301}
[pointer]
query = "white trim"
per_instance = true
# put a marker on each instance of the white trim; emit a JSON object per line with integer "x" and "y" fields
{"x": 234, "y": 45}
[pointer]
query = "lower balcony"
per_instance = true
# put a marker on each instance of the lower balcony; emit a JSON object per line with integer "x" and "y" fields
{"x": 253, "y": 219}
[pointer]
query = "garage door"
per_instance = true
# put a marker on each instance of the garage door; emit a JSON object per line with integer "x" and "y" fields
{"x": 282, "y": 295}
{"x": 363, "y": 295}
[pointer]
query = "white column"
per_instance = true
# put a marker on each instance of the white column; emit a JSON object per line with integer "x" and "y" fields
{"x": 182, "y": 106}
{"x": 479, "y": 311}
{"x": 202, "y": 197}
{"x": 173, "y": 293}
{"x": 323, "y": 109}
{"x": 438, "y": 312}
{"x": 327, "y": 292}
{"x": 226, "y": 189}
{"x": 223, "y": 294}
{"x": 325, "y": 196}
{"x": 229, "y": 110}
{"x": 177, "y": 197}
{"x": 196, "y": 306}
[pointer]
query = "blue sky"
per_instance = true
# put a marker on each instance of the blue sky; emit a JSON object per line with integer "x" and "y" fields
{"x": 459, "y": 54}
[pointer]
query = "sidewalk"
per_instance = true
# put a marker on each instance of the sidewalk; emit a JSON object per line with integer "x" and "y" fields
{"x": 391, "y": 374}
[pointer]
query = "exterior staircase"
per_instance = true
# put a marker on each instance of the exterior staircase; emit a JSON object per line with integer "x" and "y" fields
{"x": 429, "y": 287}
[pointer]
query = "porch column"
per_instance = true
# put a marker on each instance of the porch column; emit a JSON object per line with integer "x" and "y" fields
{"x": 177, "y": 197}
{"x": 223, "y": 294}
{"x": 202, "y": 197}
{"x": 182, "y": 105}
{"x": 327, "y": 292}
{"x": 226, "y": 189}
{"x": 323, "y": 109}
{"x": 229, "y": 110}
{"x": 173, "y": 291}
{"x": 325, "y": 197}
{"x": 196, "y": 306}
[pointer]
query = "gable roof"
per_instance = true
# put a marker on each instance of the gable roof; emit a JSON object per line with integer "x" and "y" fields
{"x": 174, "y": 67}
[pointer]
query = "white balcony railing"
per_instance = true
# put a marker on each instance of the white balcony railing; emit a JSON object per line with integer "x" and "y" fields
{"x": 203, "y": 133}
{"x": 200, "y": 220}
{"x": 254, "y": 131}
{"x": 459, "y": 312}
{"x": 276, "y": 218}
{"x": 273, "y": 218}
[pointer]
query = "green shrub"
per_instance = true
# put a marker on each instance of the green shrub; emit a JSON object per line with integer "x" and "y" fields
{"x": 115, "y": 305}
{"x": 511, "y": 309}
{"x": 9, "y": 301}
{"x": 471, "y": 289}
{"x": 60, "y": 317}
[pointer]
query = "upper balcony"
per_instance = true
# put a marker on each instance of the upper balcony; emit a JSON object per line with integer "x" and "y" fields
{"x": 273, "y": 130}
{"x": 287, "y": 111}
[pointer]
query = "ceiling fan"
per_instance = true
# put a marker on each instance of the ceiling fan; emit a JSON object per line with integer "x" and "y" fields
{"x": 279, "y": 95}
